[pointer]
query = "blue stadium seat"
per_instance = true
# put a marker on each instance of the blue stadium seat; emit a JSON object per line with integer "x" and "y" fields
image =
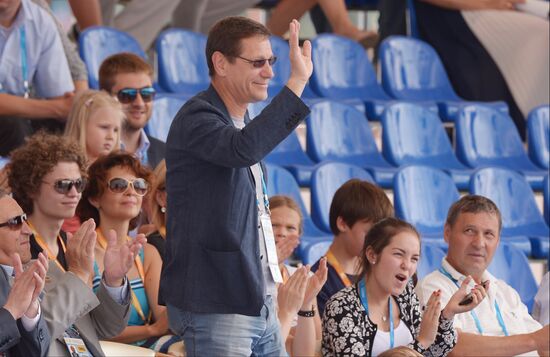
{"x": 281, "y": 68}
{"x": 315, "y": 251}
{"x": 412, "y": 23}
{"x": 339, "y": 132}
{"x": 430, "y": 259}
{"x": 487, "y": 138}
{"x": 546, "y": 194}
{"x": 412, "y": 71}
{"x": 326, "y": 179}
{"x": 281, "y": 182}
{"x": 515, "y": 199}
{"x": 165, "y": 108}
{"x": 182, "y": 64}
{"x": 413, "y": 135}
{"x": 422, "y": 196}
{"x": 511, "y": 265}
{"x": 3, "y": 162}
{"x": 538, "y": 135}
{"x": 333, "y": 57}
{"x": 99, "y": 42}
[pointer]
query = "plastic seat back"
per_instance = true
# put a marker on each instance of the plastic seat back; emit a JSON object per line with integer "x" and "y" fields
{"x": 165, "y": 109}
{"x": 414, "y": 135}
{"x": 333, "y": 58}
{"x": 315, "y": 251}
{"x": 430, "y": 259}
{"x": 487, "y": 137}
{"x": 99, "y": 42}
{"x": 538, "y": 135}
{"x": 514, "y": 198}
{"x": 510, "y": 264}
{"x": 546, "y": 198}
{"x": 281, "y": 68}
{"x": 3, "y": 162}
{"x": 182, "y": 64}
{"x": 326, "y": 179}
{"x": 337, "y": 131}
{"x": 281, "y": 182}
{"x": 412, "y": 70}
{"x": 422, "y": 196}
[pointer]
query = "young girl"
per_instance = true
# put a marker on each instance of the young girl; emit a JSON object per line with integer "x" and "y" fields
{"x": 304, "y": 325}
{"x": 94, "y": 123}
{"x": 381, "y": 311}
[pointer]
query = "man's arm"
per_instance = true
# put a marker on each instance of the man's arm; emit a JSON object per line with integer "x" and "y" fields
{"x": 15, "y": 106}
{"x": 470, "y": 344}
{"x": 9, "y": 333}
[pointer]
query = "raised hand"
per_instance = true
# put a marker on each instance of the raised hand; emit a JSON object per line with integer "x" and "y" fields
{"x": 291, "y": 294}
{"x": 453, "y": 306}
{"x": 80, "y": 254}
{"x": 119, "y": 258}
{"x": 41, "y": 265}
{"x": 286, "y": 246}
{"x": 21, "y": 293}
{"x": 315, "y": 284}
{"x": 430, "y": 320}
{"x": 301, "y": 65}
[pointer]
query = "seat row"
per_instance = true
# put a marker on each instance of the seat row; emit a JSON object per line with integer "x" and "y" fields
{"x": 411, "y": 69}
{"x": 422, "y": 196}
{"x": 411, "y": 135}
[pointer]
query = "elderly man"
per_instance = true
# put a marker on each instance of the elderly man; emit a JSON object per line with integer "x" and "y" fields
{"x": 23, "y": 330}
{"x": 501, "y": 324}
{"x": 221, "y": 264}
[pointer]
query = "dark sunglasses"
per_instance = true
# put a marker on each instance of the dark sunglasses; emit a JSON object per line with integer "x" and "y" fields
{"x": 260, "y": 62}
{"x": 15, "y": 223}
{"x": 65, "y": 185}
{"x": 128, "y": 95}
{"x": 120, "y": 185}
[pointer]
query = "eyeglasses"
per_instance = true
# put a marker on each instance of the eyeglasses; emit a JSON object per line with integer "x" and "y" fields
{"x": 15, "y": 223}
{"x": 260, "y": 62}
{"x": 128, "y": 95}
{"x": 120, "y": 185}
{"x": 65, "y": 185}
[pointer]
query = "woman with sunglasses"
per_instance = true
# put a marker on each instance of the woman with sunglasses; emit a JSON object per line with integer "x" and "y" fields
{"x": 47, "y": 176}
{"x": 381, "y": 311}
{"x": 113, "y": 197}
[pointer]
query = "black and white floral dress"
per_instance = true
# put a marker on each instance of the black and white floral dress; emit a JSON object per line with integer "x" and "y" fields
{"x": 347, "y": 331}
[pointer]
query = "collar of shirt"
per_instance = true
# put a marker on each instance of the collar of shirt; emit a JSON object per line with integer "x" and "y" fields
{"x": 460, "y": 277}
{"x": 144, "y": 144}
{"x": 8, "y": 269}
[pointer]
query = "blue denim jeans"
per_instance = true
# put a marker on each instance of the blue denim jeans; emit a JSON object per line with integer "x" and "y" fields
{"x": 229, "y": 334}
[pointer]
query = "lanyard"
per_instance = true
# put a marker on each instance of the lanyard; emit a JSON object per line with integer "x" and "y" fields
{"x": 264, "y": 191}
{"x": 365, "y": 302}
{"x": 474, "y": 315}
{"x": 24, "y": 71}
{"x": 139, "y": 265}
{"x": 45, "y": 246}
{"x": 331, "y": 259}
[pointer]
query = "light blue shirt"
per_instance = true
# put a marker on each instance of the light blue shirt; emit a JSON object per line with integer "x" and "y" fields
{"x": 47, "y": 67}
{"x": 141, "y": 152}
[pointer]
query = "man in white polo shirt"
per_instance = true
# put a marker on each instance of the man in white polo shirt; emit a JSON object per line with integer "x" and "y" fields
{"x": 501, "y": 324}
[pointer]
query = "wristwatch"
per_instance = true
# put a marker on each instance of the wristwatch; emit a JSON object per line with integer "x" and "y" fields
{"x": 307, "y": 313}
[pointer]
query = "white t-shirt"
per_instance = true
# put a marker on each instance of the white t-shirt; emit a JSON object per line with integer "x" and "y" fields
{"x": 402, "y": 337}
{"x": 514, "y": 313}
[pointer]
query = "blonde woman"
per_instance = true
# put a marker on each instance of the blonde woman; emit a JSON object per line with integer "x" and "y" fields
{"x": 94, "y": 123}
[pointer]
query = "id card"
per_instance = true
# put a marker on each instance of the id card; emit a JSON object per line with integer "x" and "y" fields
{"x": 269, "y": 239}
{"x": 76, "y": 347}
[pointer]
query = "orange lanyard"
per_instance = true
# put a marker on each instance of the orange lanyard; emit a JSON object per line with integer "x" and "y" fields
{"x": 162, "y": 231}
{"x": 45, "y": 247}
{"x": 284, "y": 273}
{"x": 331, "y": 259}
{"x": 139, "y": 265}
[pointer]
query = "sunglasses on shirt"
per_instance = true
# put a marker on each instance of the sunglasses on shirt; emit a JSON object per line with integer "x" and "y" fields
{"x": 128, "y": 95}
{"x": 65, "y": 185}
{"x": 120, "y": 185}
{"x": 15, "y": 223}
{"x": 259, "y": 63}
